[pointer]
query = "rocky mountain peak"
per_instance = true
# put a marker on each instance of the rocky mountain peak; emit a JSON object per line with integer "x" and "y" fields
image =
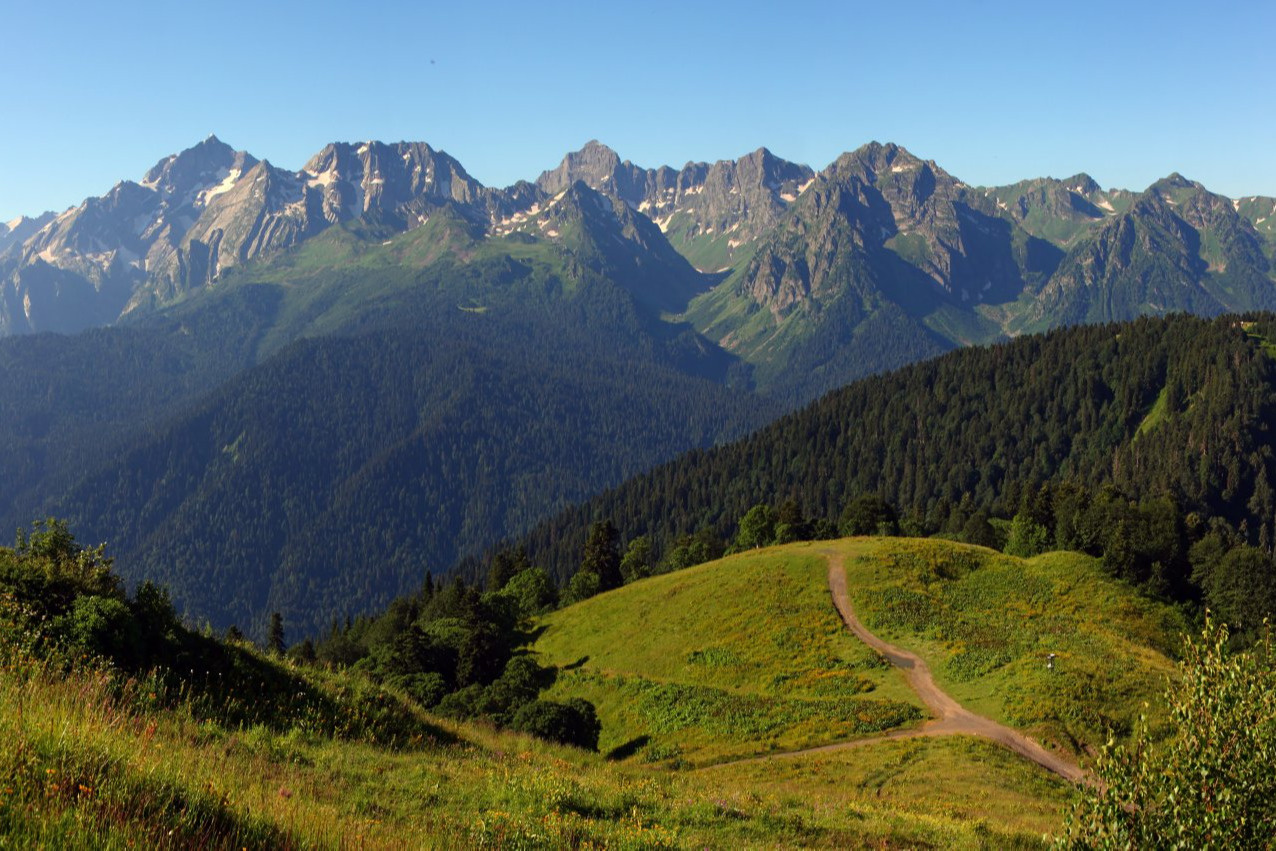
{"x": 199, "y": 167}
{"x": 595, "y": 164}
{"x": 874, "y": 161}
{"x": 1175, "y": 181}
{"x": 1082, "y": 184}
{"x": 17, "y": 231}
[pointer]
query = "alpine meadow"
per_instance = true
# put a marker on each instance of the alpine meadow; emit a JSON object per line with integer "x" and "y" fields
{"x": 747, "y": 503}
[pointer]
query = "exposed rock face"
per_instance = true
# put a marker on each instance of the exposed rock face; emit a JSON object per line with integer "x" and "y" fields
{"x": 609, "y": 237}
{"x": 19, "y": 230}
{"x": 197, "y": 213}
{"x": 878, "y": 224}
{"x": 83, "y": 266}
{"x": 1178, "y": 247}
{"x": 600, "y": 168}
{"x": 1058, "y": 211}
{"x": 867, "y": 212}
{"x": 729, "y": 202}
{"x": 401, "y": 180}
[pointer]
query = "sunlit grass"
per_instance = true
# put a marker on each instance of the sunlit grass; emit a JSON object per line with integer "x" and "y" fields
{"x": 82, "y": 766}
{"x": 740, "y": 656}
{"x": 987, "y": 623}
{"x": 733, "y": 658}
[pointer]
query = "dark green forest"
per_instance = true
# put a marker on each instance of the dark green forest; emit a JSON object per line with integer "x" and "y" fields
{"x": 1176, "y": 412}
{"x": 331, "y": 477}
{"x": 317, "y": 445}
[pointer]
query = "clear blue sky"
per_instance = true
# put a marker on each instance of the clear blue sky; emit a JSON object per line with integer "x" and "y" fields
{"x": 96, "y": 92}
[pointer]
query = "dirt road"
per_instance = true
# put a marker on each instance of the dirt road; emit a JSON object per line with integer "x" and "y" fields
{"x": 951, "y": 718}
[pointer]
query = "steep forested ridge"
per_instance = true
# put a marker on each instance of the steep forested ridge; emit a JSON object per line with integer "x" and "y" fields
{"x": 331, "y": 477}
{"x": 1179, "y": 406}
{"x": 68, "y": 403}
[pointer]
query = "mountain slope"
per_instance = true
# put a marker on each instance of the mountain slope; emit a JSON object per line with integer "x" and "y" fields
{"x": 1178, "y": 247}
{"x": 533, "y": 367}
{"x": 886, "y": 247}
{"x": 848, "y": 282}
{"x": 81, "y": 269}
{"x": 712, "y": 213}
{"x": 971, "y": 430}
{"x": 878, "y": 260}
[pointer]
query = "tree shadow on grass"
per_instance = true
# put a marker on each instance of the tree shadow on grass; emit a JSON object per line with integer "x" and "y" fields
{"x": 628, "y": 749}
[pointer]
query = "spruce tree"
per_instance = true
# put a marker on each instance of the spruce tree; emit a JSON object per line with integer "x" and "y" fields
{"x": 275, "y": 638}
{"x": 602, "y": 555}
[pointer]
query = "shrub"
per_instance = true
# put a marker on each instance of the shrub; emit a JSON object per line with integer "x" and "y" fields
{"x": 572, "y": 723}
{"x": 1210, "y": 783}
{"x": 583, "y": 585}
{"x": 103, "y": 626}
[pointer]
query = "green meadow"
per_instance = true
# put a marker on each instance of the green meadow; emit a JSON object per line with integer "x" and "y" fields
{"x": 986, "y": 624}
{"x": 725, "y": 660}
{"x": 88, "y": 762}
{"x": 692, "y": 672}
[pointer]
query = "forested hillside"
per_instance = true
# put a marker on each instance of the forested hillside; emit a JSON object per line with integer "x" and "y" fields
{"x": 447, "y": 396}
{"x": 1178, "y": 408}
{"x": 332, "y": 477}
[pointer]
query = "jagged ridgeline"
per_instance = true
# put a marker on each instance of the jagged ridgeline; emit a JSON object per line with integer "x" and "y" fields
{"x": 1177, "y": 406}
{"x": 811, "y": 279}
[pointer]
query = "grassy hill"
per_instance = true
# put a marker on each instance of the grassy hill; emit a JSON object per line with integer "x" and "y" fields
{"x": 737, "y": 657}
{"x": 986, "y": 623}
{"x": 745, "y": 656}
{"x": 727, "y": 659}
{"x": 89, "y": 760}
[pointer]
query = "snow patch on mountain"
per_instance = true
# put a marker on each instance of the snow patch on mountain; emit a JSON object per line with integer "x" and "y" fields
{"x": 228, "y": 182}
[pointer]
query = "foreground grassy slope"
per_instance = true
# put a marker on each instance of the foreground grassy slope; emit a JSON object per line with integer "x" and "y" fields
{"x": 724, "y": 660}
{"x": 88, "y": 762}
{"x": 986, "y": 624}
{"x": 741, "y": 655}
{"x": 746, "y": 655}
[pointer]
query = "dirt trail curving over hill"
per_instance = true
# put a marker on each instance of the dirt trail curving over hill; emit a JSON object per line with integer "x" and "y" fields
{"x": 951, "y": 718}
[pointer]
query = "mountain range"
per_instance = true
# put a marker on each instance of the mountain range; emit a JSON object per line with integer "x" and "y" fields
{"x": 810, "y": 278}
{"x": 299, "y": 391}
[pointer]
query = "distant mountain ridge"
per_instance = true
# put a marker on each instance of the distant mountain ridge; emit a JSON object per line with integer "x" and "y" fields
{"x": 811, "y": 278}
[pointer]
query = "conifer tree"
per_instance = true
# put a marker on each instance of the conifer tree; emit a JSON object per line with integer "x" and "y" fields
{"x": 275, "y": 638}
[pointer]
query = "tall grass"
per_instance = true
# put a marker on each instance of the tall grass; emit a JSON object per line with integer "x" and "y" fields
{"x": 89, "y": 761}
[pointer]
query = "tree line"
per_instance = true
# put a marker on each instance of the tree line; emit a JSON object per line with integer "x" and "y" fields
{"x": 1175, "y": 408}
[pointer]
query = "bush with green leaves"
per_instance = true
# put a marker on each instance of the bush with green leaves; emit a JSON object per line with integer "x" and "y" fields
{"x": 868, "y": 514}
{"x": 757, "y": 528}
{"x": 581, "y": 587}
{"x": 1210, "y": 783}
{"x": 572, "y": 723}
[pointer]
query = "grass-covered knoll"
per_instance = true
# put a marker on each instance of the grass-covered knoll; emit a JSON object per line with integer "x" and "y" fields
{"x": 986, "y": 624}
{"x": 728, "y": 659}
{"x": 223, "y": 746}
